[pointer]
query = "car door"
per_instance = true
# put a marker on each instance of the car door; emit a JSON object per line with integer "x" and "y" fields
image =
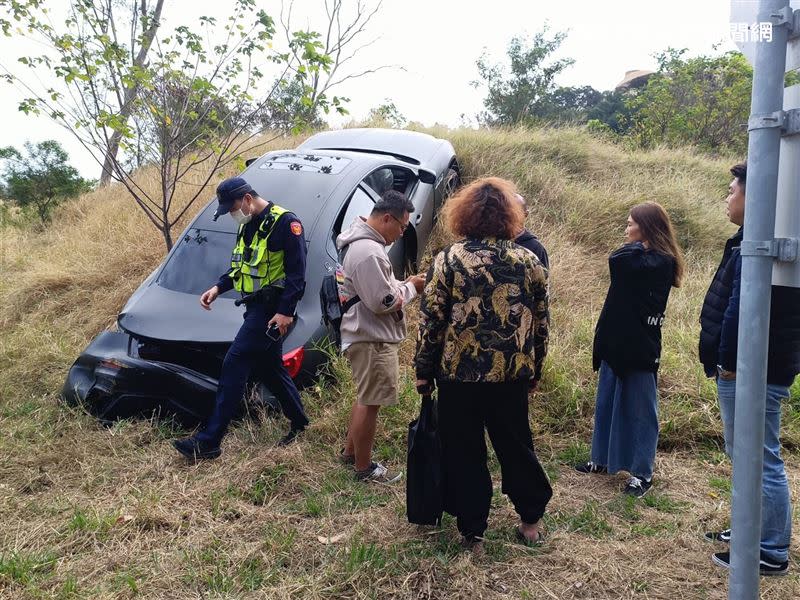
{"x": 358, "y": 205}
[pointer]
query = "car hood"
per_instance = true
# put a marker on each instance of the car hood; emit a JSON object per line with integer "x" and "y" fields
{"x": 158, "y": 313}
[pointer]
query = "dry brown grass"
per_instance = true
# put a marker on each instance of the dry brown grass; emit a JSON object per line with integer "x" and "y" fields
{"x": 107, "y": 513}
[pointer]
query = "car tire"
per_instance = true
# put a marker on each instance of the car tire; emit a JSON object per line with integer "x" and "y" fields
{"x": 452, "y": 181}
{"x": 451, "y": 184}
{"x": 408, "y": 266}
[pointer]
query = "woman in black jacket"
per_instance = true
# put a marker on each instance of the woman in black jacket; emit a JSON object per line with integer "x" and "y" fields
{"x": 627, "y": 348}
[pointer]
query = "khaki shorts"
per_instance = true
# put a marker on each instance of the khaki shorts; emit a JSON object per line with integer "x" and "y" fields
{"x": 376, "y": 367}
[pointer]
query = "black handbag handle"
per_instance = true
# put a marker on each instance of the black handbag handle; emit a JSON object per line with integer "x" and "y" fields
{"x": 427, "y": 412}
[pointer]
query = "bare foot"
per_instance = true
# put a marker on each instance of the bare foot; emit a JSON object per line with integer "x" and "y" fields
{"x": 532, "y": 533}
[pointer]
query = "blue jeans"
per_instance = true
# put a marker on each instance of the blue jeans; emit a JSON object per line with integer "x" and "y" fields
{"x": 776, "y": 509}
{"x": 626, "y": 422}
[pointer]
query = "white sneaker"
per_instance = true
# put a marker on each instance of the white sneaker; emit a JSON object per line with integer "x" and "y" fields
{"x": 379, "y": 474}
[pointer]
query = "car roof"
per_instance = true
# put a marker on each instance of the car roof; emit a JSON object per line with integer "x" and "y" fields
{"x": 408, "y": 146}
{"x": 300, "y": 181}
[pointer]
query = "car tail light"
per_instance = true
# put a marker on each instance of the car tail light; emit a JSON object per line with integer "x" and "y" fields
{"x": 293, "y": 360}
{"x": 111, "y": 364}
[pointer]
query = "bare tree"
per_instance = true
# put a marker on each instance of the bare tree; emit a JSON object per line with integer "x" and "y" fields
{"x": 341, "y": 41}
{"x": 89, "y": 53}
{"x": 188, "y": 109}
{"x": 149, "y": 22}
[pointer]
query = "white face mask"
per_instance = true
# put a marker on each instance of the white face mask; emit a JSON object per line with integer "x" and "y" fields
{"x": 240, "y": 217}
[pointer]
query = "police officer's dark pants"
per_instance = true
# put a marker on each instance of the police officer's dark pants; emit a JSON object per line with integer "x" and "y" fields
{"x": 252, "y": 352}
{"x": 465, "y": 409}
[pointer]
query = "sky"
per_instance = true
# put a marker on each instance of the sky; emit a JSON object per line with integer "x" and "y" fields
{"x": 432, "y": 47}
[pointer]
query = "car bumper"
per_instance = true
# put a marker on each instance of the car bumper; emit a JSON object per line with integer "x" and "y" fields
{"x": 112, "y": 385}
{"x": 111, "y": 382}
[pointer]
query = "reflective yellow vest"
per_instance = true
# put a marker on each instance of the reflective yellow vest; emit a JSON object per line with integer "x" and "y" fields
{"x": 255, "y": 266}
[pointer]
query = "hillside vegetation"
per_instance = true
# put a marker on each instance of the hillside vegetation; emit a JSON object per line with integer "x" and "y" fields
{"x": 111, "y": 512}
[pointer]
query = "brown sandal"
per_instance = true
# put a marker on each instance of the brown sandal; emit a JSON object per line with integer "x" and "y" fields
{"x": 526, "y": 540}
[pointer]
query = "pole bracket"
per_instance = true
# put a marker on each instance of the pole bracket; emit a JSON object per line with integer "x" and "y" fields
{"x": 766, "y": 120}
{"x": 794, "y": 27}
{"x": 791, "y": 122}
{"x": 781, "y": 249}
{"x": 789, "y": 18}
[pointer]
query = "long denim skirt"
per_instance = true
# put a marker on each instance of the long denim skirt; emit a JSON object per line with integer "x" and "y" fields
{"x": 626, "y": 422}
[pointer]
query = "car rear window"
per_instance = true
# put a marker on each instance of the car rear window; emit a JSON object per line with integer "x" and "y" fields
{"x": 306, "y": 163}
{"x": 198, "y": 260}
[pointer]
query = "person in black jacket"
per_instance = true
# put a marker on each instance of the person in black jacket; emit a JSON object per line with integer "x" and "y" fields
{"x": 719, "y": 322}
{"x": 528, "y": 240}
{"x": 627, "y": 348}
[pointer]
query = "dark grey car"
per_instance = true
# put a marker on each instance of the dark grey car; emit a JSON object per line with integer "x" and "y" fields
{"x": 167, "y": 354}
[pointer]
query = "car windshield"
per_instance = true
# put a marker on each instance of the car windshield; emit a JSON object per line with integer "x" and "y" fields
{"x": 199, "y": 259}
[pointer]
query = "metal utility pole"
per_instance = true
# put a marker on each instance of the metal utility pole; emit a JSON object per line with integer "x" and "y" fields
{"x": 760, "y": 249}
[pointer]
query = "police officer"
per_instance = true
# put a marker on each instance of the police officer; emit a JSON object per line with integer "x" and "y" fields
{"x": 268, "y": 267}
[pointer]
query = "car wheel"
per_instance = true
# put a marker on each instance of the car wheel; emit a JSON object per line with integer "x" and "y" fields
{"x": 451, "y": 184}
{"x": 452, "y": 181}
{"x": 409, "y": 266}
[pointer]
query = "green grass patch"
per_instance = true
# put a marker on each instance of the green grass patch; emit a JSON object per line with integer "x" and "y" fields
{"x": 663, "y": 503}
{"x": 127, "y": 582}
{"x": 361, "y": 557}
{"x": 212, "y": 570}
{"x": 253, "y": 573}
{"x": 265, "y": 484}
{"x": 721, "y": 485}
{"x": 69, "y": 589}
{"x": 551, "y": 470}
{"x": 338, "y": 493}
{"x": 588, "y": 521}
{"x": 574, "y": 454}
{"x": 278, "y": 544}
{"x": 91, "y": 522}
{"x": 25, "y": 569}
{"x": 625, "y": 507}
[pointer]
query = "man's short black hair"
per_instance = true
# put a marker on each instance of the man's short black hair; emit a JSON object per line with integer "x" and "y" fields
{"x": 394, "y": 203}
{"x": 740, "y": 172}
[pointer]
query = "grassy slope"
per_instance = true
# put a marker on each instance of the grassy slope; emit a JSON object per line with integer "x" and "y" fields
{"x": 89, "y": 511}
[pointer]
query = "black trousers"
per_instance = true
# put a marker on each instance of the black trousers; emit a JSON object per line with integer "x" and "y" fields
{"x": 465, "y": 409}
{"x": 252, "y": 351}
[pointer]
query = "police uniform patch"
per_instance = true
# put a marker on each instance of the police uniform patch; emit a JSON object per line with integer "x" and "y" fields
{"x": 296, "y": 227}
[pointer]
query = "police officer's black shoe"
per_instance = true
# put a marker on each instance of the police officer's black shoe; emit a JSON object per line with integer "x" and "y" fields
{"x": 195, "y": 450}
{"x": 290, "y": 437}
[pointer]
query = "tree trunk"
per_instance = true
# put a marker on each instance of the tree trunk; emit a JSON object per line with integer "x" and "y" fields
{"x": 130, "y": 92}
{"x": 167, "y": 233}
{"x": 110, "y": 158}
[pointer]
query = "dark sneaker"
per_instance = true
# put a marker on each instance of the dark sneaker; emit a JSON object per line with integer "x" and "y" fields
{"x": 766, "y": 566}
{"x": 378, "y": 473}
{"x": 637, "y": 487}
{"x": 590, "y": 467}
{"x": 718, "y": 536}
{"x": 195, "y": 450}
{"x": 290, "y": 437}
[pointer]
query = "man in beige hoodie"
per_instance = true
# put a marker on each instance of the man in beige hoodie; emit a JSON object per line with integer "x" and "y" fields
{"x": 374, "y": 327}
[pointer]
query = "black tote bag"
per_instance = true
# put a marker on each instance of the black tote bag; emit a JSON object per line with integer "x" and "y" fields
{"x": 424, "y": 488}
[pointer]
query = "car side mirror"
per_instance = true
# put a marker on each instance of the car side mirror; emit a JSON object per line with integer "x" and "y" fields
{"x": 426, "y": 176}
{"x": 250, "y": 161}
